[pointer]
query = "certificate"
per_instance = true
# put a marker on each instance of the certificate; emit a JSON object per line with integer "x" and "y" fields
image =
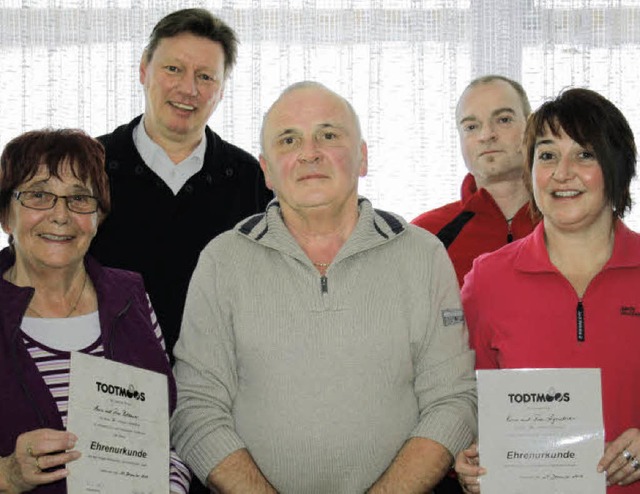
{"x": 540, "y": 430}
{"x": 120, "y": 415}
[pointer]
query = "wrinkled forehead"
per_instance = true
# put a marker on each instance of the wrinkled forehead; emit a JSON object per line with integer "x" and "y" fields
{"x": 307, "y": 108}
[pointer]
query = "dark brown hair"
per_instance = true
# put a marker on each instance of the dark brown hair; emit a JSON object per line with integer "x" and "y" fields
{"x": 53, "y": 148}
{"x": 592, "y": 121}
{"x": 199, "y": 22}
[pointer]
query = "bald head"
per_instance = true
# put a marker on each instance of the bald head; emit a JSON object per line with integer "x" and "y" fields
{"x": 310, "y": 86}
{"x": 312, "y": 150}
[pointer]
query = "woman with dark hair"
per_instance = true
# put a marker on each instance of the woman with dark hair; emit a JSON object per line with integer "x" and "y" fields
{"x": 568, "y": 295}
{"x": 55, "y": 299}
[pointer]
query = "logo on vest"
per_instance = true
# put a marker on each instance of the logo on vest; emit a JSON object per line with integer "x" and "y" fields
{"x": 629, "y": 310}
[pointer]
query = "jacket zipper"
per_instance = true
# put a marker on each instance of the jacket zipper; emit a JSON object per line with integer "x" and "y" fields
{"x": 580, "y": 321}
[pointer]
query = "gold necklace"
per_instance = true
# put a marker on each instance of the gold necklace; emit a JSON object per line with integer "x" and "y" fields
{"x": 73, "y": 307}
{"x": 322, "y": 264}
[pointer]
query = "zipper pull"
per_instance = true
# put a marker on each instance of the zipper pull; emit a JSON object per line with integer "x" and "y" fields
{"x": 509, "y": 232}
{"x": 580, "y": 321}
{"x": 324, "y": 284}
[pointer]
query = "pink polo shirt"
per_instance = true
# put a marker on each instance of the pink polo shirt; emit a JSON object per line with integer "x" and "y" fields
{"x": 521, "y": 312}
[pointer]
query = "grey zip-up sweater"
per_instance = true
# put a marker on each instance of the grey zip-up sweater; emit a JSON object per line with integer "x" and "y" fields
{"x": 322, "y": 378}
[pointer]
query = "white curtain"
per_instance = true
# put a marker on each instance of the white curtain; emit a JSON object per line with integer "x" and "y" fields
{"x": 403, "y": 64}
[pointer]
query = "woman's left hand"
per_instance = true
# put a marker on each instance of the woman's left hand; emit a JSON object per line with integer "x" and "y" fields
{"x": 621, "y": 458}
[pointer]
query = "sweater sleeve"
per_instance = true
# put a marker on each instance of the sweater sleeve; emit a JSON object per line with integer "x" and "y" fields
{"x": 444, "y": 377}
{"x": 203, "y": 431}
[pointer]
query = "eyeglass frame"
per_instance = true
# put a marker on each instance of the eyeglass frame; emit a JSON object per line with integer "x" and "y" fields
{"x": 17, "y": 193}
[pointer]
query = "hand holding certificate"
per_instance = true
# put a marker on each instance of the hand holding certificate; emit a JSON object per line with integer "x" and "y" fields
{"x": 120, "y": 415}
{"x": 540, "y": 430}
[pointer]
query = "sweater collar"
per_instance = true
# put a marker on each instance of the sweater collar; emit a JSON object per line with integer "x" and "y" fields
{"x": 374, "y": 227}
{"x": 124, "y": 157}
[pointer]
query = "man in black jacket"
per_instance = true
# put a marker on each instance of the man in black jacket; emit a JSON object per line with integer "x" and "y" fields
{"x": 175, "y": 184}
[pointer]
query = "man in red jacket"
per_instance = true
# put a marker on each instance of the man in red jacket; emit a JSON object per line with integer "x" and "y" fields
{"x": 493, "y": 210}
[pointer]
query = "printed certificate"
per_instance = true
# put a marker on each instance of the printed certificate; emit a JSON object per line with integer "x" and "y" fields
{"x": 540, "y": 430}
{"x": 120, "y": 415}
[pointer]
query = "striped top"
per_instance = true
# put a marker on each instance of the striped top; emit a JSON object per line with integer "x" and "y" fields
{"x": 54, "y": 366}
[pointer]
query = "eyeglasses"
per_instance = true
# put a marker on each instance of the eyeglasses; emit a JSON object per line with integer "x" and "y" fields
{"x": 36, "y": 199}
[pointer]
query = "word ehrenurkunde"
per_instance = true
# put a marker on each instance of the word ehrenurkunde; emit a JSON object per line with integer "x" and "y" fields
{"x": 120, "y": 450}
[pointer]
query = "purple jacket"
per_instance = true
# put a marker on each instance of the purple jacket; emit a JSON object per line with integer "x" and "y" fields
{"x": 127, "y": 336}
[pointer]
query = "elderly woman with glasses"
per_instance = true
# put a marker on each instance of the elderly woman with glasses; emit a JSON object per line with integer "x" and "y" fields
{"x": 55, "y": 299}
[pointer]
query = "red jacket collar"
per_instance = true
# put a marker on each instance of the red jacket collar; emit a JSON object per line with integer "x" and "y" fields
{"x": 534, "y": 256}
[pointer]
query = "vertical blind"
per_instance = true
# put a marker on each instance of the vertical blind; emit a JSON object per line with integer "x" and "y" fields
{"x": 402, "y": 63}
